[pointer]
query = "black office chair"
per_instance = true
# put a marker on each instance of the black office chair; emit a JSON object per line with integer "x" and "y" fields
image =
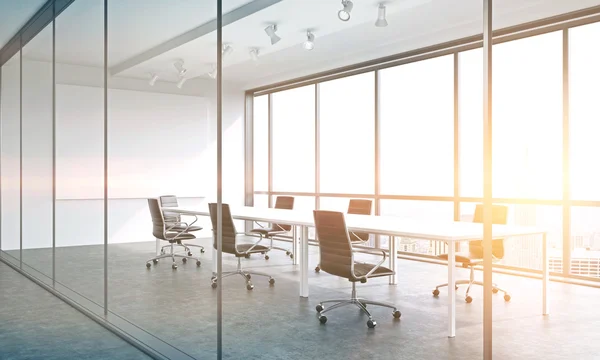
{"x": 161, "y": 231}
{"x": 357, "y": 207}
{"x": 282, "y": 202}
{"x": 475, "y": 255}
{"x": 337, "y": 258}
{"x": 231, "y": 245}
{"x": 172, "y": 219}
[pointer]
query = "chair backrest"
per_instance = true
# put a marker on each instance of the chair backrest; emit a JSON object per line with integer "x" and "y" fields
{"x": 359, "y": 207}
{"x": 158, "y": 222}
{"x": 229, "y": 231}
{"x": 287, "y": 203}
{"x": 167, "y": 201}
{"x": 499, "y": 216}
{"x": 334, "y": 243}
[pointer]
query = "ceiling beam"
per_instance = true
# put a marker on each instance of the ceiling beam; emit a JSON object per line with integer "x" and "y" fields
{"x": 204, "y": 29}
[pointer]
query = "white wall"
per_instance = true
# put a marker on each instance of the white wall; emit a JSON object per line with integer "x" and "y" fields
{"x": 80, "y": 221}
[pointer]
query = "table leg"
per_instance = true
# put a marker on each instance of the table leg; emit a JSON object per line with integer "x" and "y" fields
{"x": 393, "y": 258}
{"x": 214, "y": 262}
{"x": 545, "y": 277}
{"x": 451, "y": 292}
{"x": 303, "y": 261}
{"x": 157, "y": 246}
{"x": 295, "y": 245}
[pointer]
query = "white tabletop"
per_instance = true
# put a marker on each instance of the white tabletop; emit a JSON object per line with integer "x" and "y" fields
{"x": 448, "y": 231}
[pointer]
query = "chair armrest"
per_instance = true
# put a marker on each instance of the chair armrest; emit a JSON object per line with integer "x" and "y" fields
{"x": 374, "y": 252}
{"x": 172, "y": 225}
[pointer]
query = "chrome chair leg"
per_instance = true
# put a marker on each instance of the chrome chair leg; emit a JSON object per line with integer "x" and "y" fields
{"x": 246, "y": 274}
{"x": 172, "y": 255}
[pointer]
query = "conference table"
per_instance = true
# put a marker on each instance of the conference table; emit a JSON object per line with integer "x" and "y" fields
{"x": 450, "y": 232}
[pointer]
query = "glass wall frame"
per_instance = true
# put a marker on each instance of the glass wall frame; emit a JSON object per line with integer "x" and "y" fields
{"x": 560, "y": 25}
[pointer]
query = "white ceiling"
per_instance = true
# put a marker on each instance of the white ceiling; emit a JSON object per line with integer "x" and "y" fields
{"x": 14, "y": 14}
{"x": 139, "y": 25}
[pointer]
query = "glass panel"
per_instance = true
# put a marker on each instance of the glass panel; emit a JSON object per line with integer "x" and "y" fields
{"x": 422, "y": 210}
{"x": 526, "y": 251}
{"x": 79, "y": 44}
{"x": 37, "y": 151}
{"x": 293, "y": 129}
{"x": 11, "y": 117}
{"x": 527, "y": 162}
{"x": 417, "y": 128}
{"x": 347, "y": 135}
{"x": 261, "y": 143}
{"x": 584, "y": 75}
{"x": 585, "y": 243}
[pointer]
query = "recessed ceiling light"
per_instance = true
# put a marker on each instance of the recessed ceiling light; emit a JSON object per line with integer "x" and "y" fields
{"x": 227, "y": 49}
{"x": 213, "y": 72}
{"x": 270, "y": 30}
{"x": 381, "y": 21}
{"x": 309, "y": 44}
{"x": 344, "y": 14}
{"x": 181, "y": 82}
{"x": 153, "y": 78}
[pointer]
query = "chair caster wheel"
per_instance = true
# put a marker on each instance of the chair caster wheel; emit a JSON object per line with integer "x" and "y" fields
{"x": 247, "y": 256}
{"x": 271, "y": 281}
{"x": 184, "y": 260}
{"x": 162, "y": 251}
{"x": 249, "y": 287}
{"x": 248, "y": 276}
{"x": 174, "y": 266}
{"x": 266, "y": 257}
{"x": 435, "y": 292}
{"x": 288, "y": 253}
{"x": 371, "y": 324}
{"x": 397, "y": 314}
{"x": 495, "y": 291}
{"x": 291, "y": 256}
{"x": 148, "y": 265}
{"x": 323, "y": 319}
{"x": 213, "y": 278}
{"x": 319, "y": 308}
{"x": 155, "y": 261}
{"x": 202, "y": 251}
{"x": 214, "y": 285}
{"x": 317, "y": 269}
{"x": 198, "y": 263}
{"x": 468, "y": 299}
{"x": 506, "y": 297}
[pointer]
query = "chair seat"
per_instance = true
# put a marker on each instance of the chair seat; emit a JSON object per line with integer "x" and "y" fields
{"x": 470, "y": 258}
{"x": 170, "y": 236}
{"x": 182, "y": 228}
{"x": 361, "y": 270}
{"x": 268, "y": 231}
{"x": 243, "y": 249}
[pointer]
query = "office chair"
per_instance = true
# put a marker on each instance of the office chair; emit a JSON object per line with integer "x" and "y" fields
{"x": 337, "y": 258}
{"x": 230, "y": 245}
{"x": 475, "y": 255}
{"x": 282, "y": 202}
{"x": 359, "y": 207}
{"x": 172, "y": 219}
{"x": 165, "y": 232}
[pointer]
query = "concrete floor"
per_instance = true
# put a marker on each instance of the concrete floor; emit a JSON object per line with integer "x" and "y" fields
{"x": 35, "y": 324}
{"x": 179, "y": 307}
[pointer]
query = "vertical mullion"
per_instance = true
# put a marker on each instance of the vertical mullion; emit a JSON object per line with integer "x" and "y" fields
{"x": 1, "y": 123}
{"x": 487, "y": 179}
{"x": 53, "y": 144}
{"x": 105, "y": 157}
{"x": 377, "y": 155}
{"x": 220, "y": 179}
{"x": 566, "y": 258}
{"x": 21, "y": 153}
{"x": 270, "y": 150}
{"x": 456, "y": 146}
{"x": 249, "y": 154}
{"x": 317, "y": 146}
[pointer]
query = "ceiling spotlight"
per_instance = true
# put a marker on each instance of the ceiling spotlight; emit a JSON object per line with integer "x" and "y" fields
{"x": 153, "y": 78}
{"x": 344, "y": 14}
{"x": 179, "y": 66}
{"x": 181, "y": 82}
{"x": 227, "y": 49}
{"x": 254, "y": 52}
{"x": 381, "y": 21}
{"x": 213, "y": 72}
{"x": 270, "y": 30}
{"x": 309, "y": 44}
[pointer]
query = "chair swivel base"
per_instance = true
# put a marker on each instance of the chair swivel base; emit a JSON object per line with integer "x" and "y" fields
{"x": 186, "y": 247}
{"x": 358, "y": 302}
{"x": 247, "y": 275}
{"x": 468, "y": 298}
{"x": 172, "y": 255}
